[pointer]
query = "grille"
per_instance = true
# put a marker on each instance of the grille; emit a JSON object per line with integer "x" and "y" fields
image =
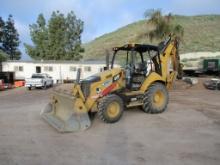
{"x": 85, "y": 86}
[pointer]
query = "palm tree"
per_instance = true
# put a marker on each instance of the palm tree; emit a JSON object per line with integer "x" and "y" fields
{"x": 163, "y": 25}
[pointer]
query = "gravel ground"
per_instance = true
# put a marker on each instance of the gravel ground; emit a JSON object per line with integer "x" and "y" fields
{"x": 187, "y": 133}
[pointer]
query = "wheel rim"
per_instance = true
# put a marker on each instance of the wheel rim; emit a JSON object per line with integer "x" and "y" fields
{"x": 113, "y": 109}
{"x": 159, "y": 98}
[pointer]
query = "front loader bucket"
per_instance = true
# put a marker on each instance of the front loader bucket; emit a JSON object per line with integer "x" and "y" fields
{"x": 62, "y": 113}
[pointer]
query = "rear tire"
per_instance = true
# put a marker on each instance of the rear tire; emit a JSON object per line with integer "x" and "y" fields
{"x": 45, "y": 86}
{"x": 155, "y": 99}
{"x": 29, "y": 88}
{"x": 110, "y": 108}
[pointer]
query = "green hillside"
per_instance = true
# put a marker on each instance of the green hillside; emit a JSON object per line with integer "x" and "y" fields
{"x": 202, "y": 33}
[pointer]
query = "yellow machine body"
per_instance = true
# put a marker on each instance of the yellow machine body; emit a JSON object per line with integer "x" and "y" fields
{"x": 69, "y": 113}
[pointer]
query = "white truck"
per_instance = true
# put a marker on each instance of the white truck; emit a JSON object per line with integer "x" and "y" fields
{"x": 39, "y": 80}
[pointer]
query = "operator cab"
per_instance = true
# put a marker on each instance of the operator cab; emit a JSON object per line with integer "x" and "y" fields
{"x": 138, "y": 61}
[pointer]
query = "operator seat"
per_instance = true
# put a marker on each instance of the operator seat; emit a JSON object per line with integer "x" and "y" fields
{"x": 136, "y": 76}
{"x": 141, "y": 68}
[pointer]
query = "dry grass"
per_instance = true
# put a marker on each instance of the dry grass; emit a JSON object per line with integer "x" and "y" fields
{"x": 201, "y": 34}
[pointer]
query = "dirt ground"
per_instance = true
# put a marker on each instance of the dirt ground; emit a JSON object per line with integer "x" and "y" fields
{"x": 187, "y": 133}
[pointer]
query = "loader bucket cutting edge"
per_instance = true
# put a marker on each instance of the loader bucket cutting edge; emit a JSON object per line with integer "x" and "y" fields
{"x": 62, "y": 114}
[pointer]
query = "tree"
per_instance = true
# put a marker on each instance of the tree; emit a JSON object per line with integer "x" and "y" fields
{"x": 59, "y": 39}
{"x": 39, "y": 36}
{"x": 3, "y": 56}
{"x": 57, "y": 29}
{"x": 2, "y": 25}
{"x": 163, "y": 25}
{"x": 73, "y": 36}
{"x": 10, "y": 40}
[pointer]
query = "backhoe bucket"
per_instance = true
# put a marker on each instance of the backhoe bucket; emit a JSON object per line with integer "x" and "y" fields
{"x": 66, "y": 113}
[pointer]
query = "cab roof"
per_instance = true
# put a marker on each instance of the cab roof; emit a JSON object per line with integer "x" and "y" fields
{"x": 137, "y": 47}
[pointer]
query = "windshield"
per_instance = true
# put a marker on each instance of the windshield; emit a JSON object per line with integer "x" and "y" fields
{"x": 121, "y": 58}
{"x": 124, "y": 58}
{"x": 37, "y": 76}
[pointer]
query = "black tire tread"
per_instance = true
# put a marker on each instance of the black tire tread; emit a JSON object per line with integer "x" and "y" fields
{"x": 102, "y": 107}
{"x": 147, "y": 104}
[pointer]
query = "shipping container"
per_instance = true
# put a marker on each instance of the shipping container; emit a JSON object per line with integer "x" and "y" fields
{"x": 211, "y": 65}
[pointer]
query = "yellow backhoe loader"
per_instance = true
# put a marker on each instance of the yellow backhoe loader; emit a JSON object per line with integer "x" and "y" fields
{"x": 138, "y": 75}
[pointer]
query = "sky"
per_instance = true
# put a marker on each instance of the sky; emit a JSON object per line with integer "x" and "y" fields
{"x": 99, "y": 16}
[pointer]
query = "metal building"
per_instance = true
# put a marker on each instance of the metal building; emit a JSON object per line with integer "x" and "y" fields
{"x": 59, "y": 70}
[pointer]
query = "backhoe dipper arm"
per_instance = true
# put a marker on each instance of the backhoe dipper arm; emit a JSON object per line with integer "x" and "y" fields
{"x": 170, "y": 62}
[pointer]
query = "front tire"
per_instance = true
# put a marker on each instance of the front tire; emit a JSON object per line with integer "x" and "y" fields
{"x": 110, "y": 108}
{"x": 155, "y": 99}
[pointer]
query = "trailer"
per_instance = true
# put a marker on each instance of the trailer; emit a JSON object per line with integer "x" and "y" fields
{"x": 209, "y": 67}
{"x": 7, "y": 80}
